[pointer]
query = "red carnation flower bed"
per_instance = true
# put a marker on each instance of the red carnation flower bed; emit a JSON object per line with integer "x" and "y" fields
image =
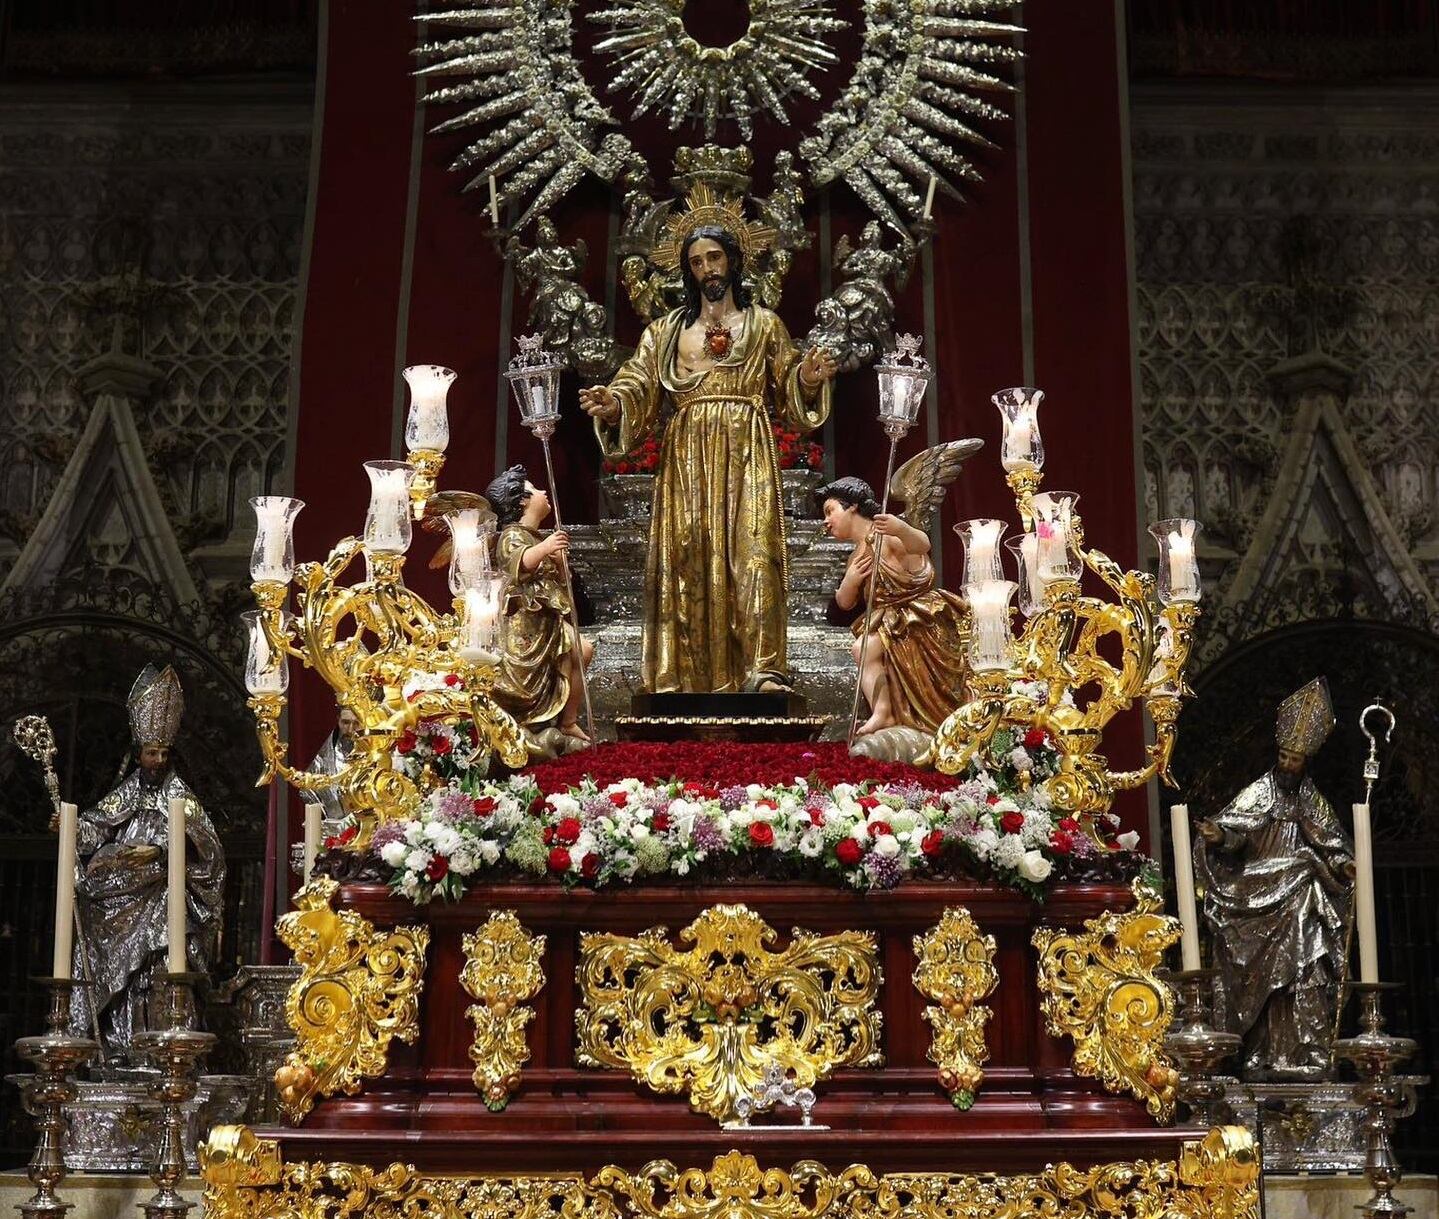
{"x": 726, "y": 764}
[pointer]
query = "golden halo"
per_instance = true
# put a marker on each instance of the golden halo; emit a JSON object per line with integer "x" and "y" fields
{"x": 708, "y": 208}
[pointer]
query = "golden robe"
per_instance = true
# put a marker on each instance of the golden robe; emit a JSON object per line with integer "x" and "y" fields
{"x": 535, "y": 632}
{"x": 924, "y": 631}
{"x": 715, "y": 576}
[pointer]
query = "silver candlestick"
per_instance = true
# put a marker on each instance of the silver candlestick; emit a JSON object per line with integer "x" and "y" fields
{"x": 56, "y": 1054}
{"x": 176, "y": 1050}
{"x": 1200, "y": 1048}
{"x": 1375, "y": 1054}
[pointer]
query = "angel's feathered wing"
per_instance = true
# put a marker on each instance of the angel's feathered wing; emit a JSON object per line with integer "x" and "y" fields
{"x": 921, "y": 482}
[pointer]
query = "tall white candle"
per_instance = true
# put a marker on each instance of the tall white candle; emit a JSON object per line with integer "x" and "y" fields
{"x": 1183, "y": 571}
{"x": 175, "y": 890}
{"x": 64, "y": 894}
{"x": 991, "y": 638}
{"x": 1364, "y": 895}
{"x": 1184, "y": 886}
{"x": 984, "y": 549}
{"x": 312, "y": 840}
{"x": 1018, "y": 443}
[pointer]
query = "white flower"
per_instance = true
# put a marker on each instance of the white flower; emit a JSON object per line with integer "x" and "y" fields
{"x": 886, "y": 845}
{"x": 639, "y": 831}
{"x": 842, "y": 791}
{"x": 1129, "y": 840}
{"x": 1009, "y": 851}
{"x": 393, "y": 853}
{"x": 1021, "y": 761}
{"x": 462, "y": 863}
{"x": 564, "y": 806}
{"x": 1034, "y": 866}
{"x": 489, "y": 851}
{"x": 983, "y": 842}
{"x": 754, "y": 791}
{"x": 811, "y": 843}
{"x": 1036, "y": 829}
{"x": 414, "y": 832}
{"x": 418, "y": 860}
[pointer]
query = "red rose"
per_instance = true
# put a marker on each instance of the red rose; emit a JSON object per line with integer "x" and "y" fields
{"x": 693, "y": 789}
{"x": 484, "y": 807}
{"x": 548, "y": 836}
{"x": 816, "y": 815}
{"x": 1069, "y": 825}
{"x": 348, "y": 835}
{"x": 932, "y": 843}
{"x": 761, "y": 833}
{"x": 660, "y": 822}
{"x": 1012, "y": 823}
{"x": 568, "y": 830}
{"x": 442, "y": 746}
{"x": 1035, "y": 737}
{"x": 876, "y": 828}
{"x": 848, "y": 852}
{"x": 868, "y": 802}
{"x": 439, "y": 865}
{"x": 406, "y": 743}
{"x": 1061, "y": 843}
{"x": 991, "y": 799}
{"x": 452, "y": 679}
{"x": 559, "y": 859}
{"x": 619, "y": 799}
{"x": 589, "y": 865}
{"x": 537, "y": 806}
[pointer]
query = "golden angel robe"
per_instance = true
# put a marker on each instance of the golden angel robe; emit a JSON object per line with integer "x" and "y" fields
{"x": 715, "y": 576}
{"x": 924, "y": 632}
{"x": 535, "y": 632}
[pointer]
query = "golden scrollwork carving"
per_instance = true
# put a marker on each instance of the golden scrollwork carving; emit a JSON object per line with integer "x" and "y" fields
{"x": 710, "y": 1017}
{"x": 955, "y": 968}
{"x": 357, "y": 989}
{"x": 1214, "y": 1179}
{"x": 1099, "y": 987}
{"x": 502, "y": 971}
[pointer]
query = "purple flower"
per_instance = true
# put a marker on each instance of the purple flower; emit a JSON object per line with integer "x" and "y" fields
{"x": 883, "y": 871}
{"x": 732, "y": 797}
{"x": 391, "y": 831}
{"x": 705, "y": 835}
{"x": 454, "y": 805}
{"x": 597, "y": 806}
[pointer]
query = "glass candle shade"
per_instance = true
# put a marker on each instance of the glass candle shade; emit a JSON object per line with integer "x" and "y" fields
{"x": 1021, "y": 447}
{"x": 428, "y": 424}
{"x": 471, "y": 532}
{"x": 1058, "y": 552}
{"x": 1026, "y": 562}
{"x": 990, "y": 637}
{"x": 272, "y": 560}
{"x": 534, "y": 377}
{"x": 1178, "y": 562}
{"x": 387, "y": 523}
{"x": 480, "y": 619}
{"x": 267, "y": 669}
{"x": 981, "y": 540}
{"x": 904, "y": 376}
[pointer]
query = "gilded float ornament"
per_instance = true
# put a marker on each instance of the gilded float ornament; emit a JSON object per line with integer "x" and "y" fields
{"x": 956, "y": 969}
{"x": 1100, "y": 988}
{"x": 1216, "y": 1178}
{"x": 708, "y": 1017}
{"x": 358, "y": 988}
{"x": 502, "y": 971}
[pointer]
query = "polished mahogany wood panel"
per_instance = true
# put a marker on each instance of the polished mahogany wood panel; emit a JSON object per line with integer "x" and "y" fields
{"x": 1032, "y": 1109}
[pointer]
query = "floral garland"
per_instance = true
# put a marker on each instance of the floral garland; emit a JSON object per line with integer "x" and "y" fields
{"x": 795, "y": 453}
{"x": 864, "y": 835}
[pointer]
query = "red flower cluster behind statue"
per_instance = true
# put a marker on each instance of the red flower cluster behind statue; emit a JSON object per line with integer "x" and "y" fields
{"x": 794, "y": 450}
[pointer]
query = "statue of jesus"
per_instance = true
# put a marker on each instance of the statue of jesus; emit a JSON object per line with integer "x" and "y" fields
{"x": 713, "y": 374}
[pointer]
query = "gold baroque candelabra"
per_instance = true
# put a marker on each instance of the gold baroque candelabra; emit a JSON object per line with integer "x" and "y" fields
{"x": 1079, "y": 660}
{"x": 384, "y": 651}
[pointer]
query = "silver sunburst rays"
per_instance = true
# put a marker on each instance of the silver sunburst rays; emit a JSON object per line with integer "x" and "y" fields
{"x": 666, "y": 69}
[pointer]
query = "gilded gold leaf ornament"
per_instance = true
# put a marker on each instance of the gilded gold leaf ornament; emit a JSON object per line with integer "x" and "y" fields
{"x": 503, "y": 970}
{"x": 1100, "y": 988}
{"x": 358, "y": 988}
{"x": 955, "y": 968}
{"x": 1216, "y": 1178}
{"x": 708, "y": 1017}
